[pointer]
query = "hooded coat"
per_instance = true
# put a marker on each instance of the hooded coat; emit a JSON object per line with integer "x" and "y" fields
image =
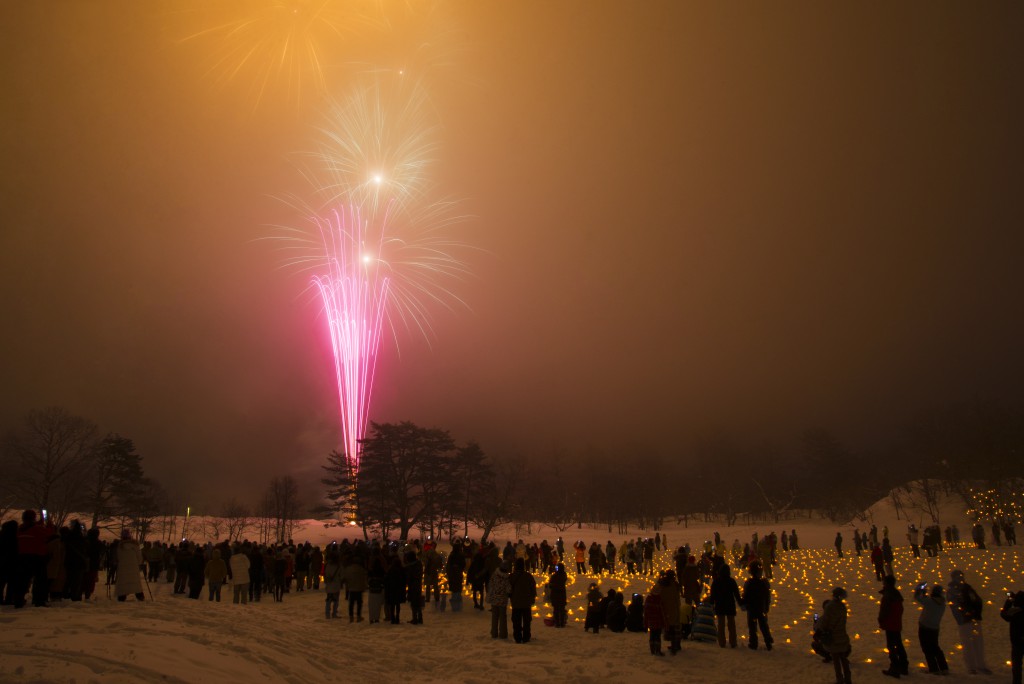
{"x": 129, "y": 577}
{"x": 832, "y": 627}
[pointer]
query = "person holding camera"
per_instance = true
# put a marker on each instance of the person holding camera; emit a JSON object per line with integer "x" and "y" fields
{"x": 933, "y": 605}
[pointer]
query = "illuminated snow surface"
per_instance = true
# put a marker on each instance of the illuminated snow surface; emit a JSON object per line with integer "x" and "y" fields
{"x": 173, "y": 639}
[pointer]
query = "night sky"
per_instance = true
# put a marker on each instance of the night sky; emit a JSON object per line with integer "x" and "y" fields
{"x": 683, "y": 218}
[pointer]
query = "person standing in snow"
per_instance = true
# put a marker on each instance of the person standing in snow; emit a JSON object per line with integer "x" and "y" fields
{"x": 654, "y": 618}
{"x": 216, "y": 572}
{"x": 375, "y": 580}
{"x": 557, "y": 594}
{"x": 671, "y": 610}
{"x": 196, "y": 576}
{"x": 454, "y": 573}
{"x": 965, "y": 606}
{"x": 690, "y": 579}
{"x": 581, "y": 551}
{"x": 332, "y": 583}
{"x": 394, "y": 590}
{"x": 414, "y": 587}
{"x": 890, "y": 621}
{"x": 593, "y": 617}
{"x": 933, "y": 605}
{"x": 238, "y": 568}
{"x": 129, "y": 560}
{"x": 497, "y": 596}
{"x": 432, "y": 562}
{"x": 888, "y": 556}
{"x": 914, "y": 537}
{"x": 522, "y": 596}
{"x": 878, "y": 561}
{"x": 833, "y": 635}
{"x": 725, "y": 594}
{"x": 757, "y": 599}
{"x": 354, "y": 577}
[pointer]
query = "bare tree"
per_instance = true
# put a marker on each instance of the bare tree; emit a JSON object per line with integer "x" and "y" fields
{"x": 283, "y": 498}
{"x": 49, "y": 455}
{"x": 778, "y": 502}
{"x": 264, "y": 521}
{"x": 499, "y": 507}
{"x": 925, "y": 495}
{"x": 237, "y": 518}
{"x": 213, "y": 527}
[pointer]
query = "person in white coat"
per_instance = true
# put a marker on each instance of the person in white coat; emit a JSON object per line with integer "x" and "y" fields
{"x": 239, "y": 565}
{"x": 129, "y": 568}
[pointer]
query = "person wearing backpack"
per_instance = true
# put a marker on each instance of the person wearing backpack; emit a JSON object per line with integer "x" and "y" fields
{"x": 965, "y": 605}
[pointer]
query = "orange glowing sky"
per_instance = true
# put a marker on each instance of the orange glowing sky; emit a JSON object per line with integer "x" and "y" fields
{"x": 752, "y": 217}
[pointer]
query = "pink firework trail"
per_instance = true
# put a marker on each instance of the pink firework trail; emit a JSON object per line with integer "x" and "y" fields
{"x": 354, "y": 292}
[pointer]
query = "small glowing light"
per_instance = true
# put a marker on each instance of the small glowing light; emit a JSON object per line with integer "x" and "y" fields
{"x": 378, "y": 179}
{"x": 367, "y": 258}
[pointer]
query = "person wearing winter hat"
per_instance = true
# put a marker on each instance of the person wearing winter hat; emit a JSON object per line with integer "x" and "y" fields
{"x": 689, "y": 578}
{"x": 890, "y": 621}
{"x": 965, "y": 605}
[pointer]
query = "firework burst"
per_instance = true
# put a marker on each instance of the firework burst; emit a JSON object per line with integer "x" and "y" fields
{"x": 281, "y": 50}
{"x": 375, "y": 147}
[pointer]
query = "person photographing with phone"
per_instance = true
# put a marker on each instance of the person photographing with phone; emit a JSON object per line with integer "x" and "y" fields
{"x": 933, "y": 604}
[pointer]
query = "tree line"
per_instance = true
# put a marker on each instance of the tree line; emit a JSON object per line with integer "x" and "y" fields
{"x": 60, "y": 463}
{"x": 412, "y": 480}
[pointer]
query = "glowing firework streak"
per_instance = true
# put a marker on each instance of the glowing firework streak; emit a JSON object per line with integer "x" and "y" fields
{"x": 354, "y": 293}
{"x": 376, "y": 147}
{"x": 282, "y": 49}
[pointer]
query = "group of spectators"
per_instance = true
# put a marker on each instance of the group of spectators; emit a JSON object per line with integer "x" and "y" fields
{"x": 697, "y": 598}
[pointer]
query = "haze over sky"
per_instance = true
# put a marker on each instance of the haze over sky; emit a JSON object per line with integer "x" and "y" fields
{"x": 685, "y": 217}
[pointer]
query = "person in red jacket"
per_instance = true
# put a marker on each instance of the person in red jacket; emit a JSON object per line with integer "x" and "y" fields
{"x": 878, "y": 560}
{"x": 890, "y": 620}
{"x": 32, "y": 556}
{"x": 654, "y": 618}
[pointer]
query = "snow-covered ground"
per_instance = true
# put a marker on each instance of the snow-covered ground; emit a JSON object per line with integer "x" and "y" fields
{"x": 173, "y": 639}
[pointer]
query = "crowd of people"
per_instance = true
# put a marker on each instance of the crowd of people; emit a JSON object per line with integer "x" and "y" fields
{"x": 696, "y": 597}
